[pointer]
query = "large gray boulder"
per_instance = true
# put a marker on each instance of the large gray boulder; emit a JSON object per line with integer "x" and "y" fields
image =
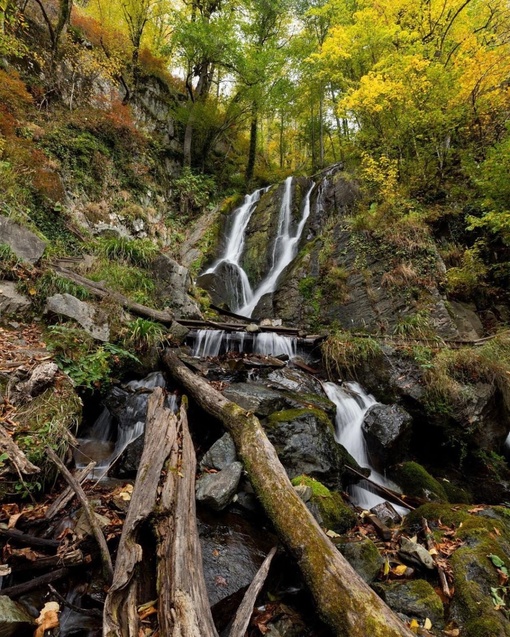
{"x": 83, "y": 313}
{"x": 24, "y": 243}
{"x": 221, "y": 454}
{"x": 387, "y": 430}
{"x": 224, "y": 284}
{"x": 173, "y": 282}
{"x": 11, "y": 301}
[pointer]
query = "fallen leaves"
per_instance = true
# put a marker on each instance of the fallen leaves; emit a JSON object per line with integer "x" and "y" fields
{"x": 47, "y": 619}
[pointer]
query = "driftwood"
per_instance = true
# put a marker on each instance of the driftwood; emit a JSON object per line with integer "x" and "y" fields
{"x": 16, "y": 456}
{"x": 68, "y": 494}
{"x": 87, "y": 508}
{"x": 164, "y": 494}
{"x": 343, "y": 599}
{"x": 183, "y": 608}
{"x": 245, "y": 610}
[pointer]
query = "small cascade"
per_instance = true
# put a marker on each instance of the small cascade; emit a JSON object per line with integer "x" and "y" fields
{"x": 127, "y": 407}
{"x": 271, "y": 344}
{"x": 215, "y": 342}
{"x": 352, "y": 403}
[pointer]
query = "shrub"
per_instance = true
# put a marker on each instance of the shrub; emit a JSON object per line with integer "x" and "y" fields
{"x": 129, "y": 280}
{"x": 136, "y": 251}
{"x": 143, "y": 334}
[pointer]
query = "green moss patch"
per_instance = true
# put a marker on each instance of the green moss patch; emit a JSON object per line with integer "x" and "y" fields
{"x": 417, "y": 481}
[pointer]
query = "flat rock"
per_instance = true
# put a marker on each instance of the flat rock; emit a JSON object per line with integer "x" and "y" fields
{"x": 83, "y": 313}
{"x": 412, "y": 553}
{"x": 11, "y": 301}
{"x": 13, "y": 617}
{"x": 25, "y": 244}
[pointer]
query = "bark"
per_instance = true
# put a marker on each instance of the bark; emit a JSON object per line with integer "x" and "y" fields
{"x": 36, "y": 582}
{"x": 183, "y": 609}
{"x": 252, "y": 153}
{"x": 344, "y": 601}
{"x": 68, "y": 494}
{"x": 120, "y": 611}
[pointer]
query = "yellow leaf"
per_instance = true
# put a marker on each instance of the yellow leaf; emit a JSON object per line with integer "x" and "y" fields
{"x": 400, "y": 569}
{"x": 428, "y": 624}
{"x": 331, "y": 533}
{"x": 414, "y": 626}
{"x": 32, "y": 291}
{"x": 386, "y": 568}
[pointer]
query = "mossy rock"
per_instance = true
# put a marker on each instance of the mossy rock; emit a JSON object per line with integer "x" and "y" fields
{"x": 415, "y": 599}
{"x": 416, "y": 481}
{"x": 327, "y": 506}
{"x": 456, "y": 494}
{"x": 364, "y": 557}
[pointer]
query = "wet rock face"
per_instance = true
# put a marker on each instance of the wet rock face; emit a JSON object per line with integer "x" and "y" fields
{"x": 364, "y": 557}
{"x": 232, "y": 551}
{"x": 83, "y": 313}
{"x": 413, "y": 600}
{"x": 224, "y": 284}
{"x": 387, "y": 430}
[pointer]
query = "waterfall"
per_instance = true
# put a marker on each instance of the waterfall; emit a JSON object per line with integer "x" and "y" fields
{"x": 129, "y": 407}
{"x": 244, "y": 299}
{"x": 214, "y": 342}
{"x": 352, "y": 403}
{"x": 284, "y": 249}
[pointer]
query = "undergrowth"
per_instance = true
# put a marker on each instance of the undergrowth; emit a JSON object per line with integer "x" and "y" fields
{"x": 343, "y": 353}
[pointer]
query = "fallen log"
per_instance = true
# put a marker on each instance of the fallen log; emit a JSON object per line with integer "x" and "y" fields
{"x": 183, "y": 604}
{"x": 383, "y": 491}
{"x": 36, "y": 582}
{"x": 120, "y": 612}
{"x": 68, "y": 494}
{"x": 342, "y": 598}
{"x": 30, "y": 540}
{"x": 102, "y": 292}
{"x": 164, "y": 495}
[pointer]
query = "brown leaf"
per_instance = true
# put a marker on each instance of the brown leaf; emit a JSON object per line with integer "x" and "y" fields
{"x": 47, "y": 619}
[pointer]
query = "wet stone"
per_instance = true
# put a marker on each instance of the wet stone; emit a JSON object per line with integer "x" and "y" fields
{"x": 216, "y": 490}
{"x": 221, "y": 454}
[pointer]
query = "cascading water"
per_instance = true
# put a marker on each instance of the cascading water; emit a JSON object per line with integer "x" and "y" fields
{"x": 129, "y": 407}
{"x": 214, "y": 342}
{"x": 243, "y": 298}
{"x": 352, "y": 403}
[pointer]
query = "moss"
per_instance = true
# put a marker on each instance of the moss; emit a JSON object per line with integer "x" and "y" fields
{"x": 434, "y": 511}
{"x": 417, "y": 481}
{"x": 456, "y": 494}
{"x": 364, "y": 557}
{"x": 415, "y": 598}
{"x": 334, "y": 512}
{"x": 289, "y": 415}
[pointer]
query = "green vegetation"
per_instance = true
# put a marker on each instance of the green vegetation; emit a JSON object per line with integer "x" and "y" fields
{"x": 143, "y": 334}
{"x": 344, "y": 354}
{"x": 89, "y": 365}
{"x": 131, "y": 281}
{"x": 416, "y": 481}
{"x": 137, "y": 252}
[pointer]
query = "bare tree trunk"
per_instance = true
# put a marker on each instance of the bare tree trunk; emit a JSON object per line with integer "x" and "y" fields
{"x": 343, "y": 599}
{"x": 252, "y": 153}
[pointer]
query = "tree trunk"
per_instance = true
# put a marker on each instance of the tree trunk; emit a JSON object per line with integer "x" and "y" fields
{"x": 343, "y": 599}
{"x": 252, "y": 153}
{"x": 164, "y": 497}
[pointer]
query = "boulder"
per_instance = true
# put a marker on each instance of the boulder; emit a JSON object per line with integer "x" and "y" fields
{"x": 83, "y": 313}
{"x": 364, "y": 557}
{"x": 416, "y": 481}
{"x": 415, "y": 554}
{"x": 256, "y": 397}
{"x": 221, "y": 454}
{"x": 217, "y": 489}
{"x": 305, "y": 443}
{"x": 173, "y": 282}
{"x": 387, "y": 430}
{"x": 413, "y": 600}
{"x": 467, "y": 321}
{"x": 12, "y": 303}
{"x": 24, "y": 243}
{"x": 224, "y": 284}
{"x": 13, "y": 617}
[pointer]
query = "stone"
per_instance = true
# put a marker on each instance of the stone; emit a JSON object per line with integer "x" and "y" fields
{"x": 173, "y": 283}
{"x": 224, "y": 284}
{"x": 221, "y": 454}
{"x": 467, "y": 321}
{"x": 178, "y": 333}
{"x": 415, "y": 599}
{"x": 41, "y": 377}
{"x": 387, "y": 430}
{"x": 252, "y": 328}
{"x": 386, "y": 513}
{"x": 304, "y": 492}
{"x": 25, "y": 244}
{"x": 364, "y": 557}
{"x": 256, "y": 398}
{"x": 83, "y": 313}
{"x": 415, "y": 554}
{"x": 13, "y": 617}
{"x": 217, "y": 489}
{"x": 12, "y": 303}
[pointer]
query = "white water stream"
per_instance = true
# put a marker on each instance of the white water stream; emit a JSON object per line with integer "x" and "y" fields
{"x": 352, "y": 403}
{"x": 245, "y": 299}
{"x": 213, "y": 342}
